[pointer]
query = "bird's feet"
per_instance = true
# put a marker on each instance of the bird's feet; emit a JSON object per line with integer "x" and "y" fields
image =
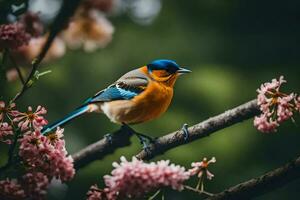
{"x": 127, "y": 128}
{"x": 185, "y": 131}
{"x": 108, "y": 137}
{"x": 145, "y": 140}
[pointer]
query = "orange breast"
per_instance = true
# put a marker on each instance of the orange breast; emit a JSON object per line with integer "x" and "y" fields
{"x": 150, "y": 104}
{"x": 153, "y": 102}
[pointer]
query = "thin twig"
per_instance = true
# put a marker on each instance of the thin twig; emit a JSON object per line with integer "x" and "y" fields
{"x": 198, "y": 191}
{"x": 99, "y": 149}
{"x": 266, "y": 183}
{"x": 154, "y": 195}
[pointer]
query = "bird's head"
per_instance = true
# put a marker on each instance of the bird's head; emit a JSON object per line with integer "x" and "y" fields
{"x": 166, "y": 71}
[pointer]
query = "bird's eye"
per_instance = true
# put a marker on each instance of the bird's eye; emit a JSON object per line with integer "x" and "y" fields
{"x": 171, "y": 70}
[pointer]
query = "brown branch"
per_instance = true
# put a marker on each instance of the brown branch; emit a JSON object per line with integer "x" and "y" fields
{"x": 203, "y": 129}
{"x": 98, "y": 150}
{"x": 263, "y": 184}
{"x": 60, "y": 22}
{"x": 101, "y": 148}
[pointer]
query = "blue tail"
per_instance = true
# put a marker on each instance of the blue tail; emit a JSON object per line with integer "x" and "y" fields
{"x": 76, "y": 113}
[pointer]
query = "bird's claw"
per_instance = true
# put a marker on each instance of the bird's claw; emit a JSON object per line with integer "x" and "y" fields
{"x": 108, "y": 137}
{"x": 185, "y": 131}
{"x": 127, "y": 128}
{"x": 145, "y": 141}
{"x": 145, "y": 146}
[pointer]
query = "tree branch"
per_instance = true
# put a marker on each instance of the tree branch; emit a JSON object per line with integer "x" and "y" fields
{"x": 60, "y": 22}
{"x": 98, "y": 150}
{"x": 101, "y": 148}
{"x": 263, "y": 184}
{"x": 203, "y": 129}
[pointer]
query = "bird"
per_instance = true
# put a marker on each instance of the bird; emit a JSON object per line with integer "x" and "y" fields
{"x": 138, "y": 96}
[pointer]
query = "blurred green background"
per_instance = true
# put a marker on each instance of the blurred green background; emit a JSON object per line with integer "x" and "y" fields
{"x": 231, "y": 47}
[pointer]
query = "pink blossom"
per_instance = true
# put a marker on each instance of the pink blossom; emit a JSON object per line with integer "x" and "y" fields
{"x": 6, "y": 110}
{"x": 12, "y": 75}
{"x": 133, "y": 179}
{"x": 32, "y": 24}
{"x": 25, "y": 54}
{"x": 11, "y": 190}
{"x": 201, "y": 168}
{"x": 276, "y": 107}
{"x": 95, "y": 193}
{"x": 30, "y": 119}
{"x": 265, "y": 124}
{"x": 5, "y": 130}
{"x": 285, "y": 108}
{"x": 47, "y": 154}
{"x": 35, "y": 185}
{"x": 89, "y": 30}
{"x": 13, "y": 36}
{"x": 266, "y": 88}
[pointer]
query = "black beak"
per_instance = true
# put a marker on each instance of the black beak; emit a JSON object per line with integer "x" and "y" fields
{"x": 183, "y": 70}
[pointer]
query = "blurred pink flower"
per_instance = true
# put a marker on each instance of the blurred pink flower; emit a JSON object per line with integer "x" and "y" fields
{"x": 47, "y": 155}
{"x": 35, "y": 185}
{"x": 90, "y": 31}
{"x": 13, "y": 36}
{"x": 11, "y": 75}
{"x": 276, "y": 106}
{"x": 201, "y": 168}
{"x": 133, "y": 179}
{"x": 32, "y": 24}
{"x": 11, "y": 190}
{"x": 6, "y": 110}
{"x": 5, "y": 130}
{"x": 27, "y": 53}
{"x": 33, "y": 120}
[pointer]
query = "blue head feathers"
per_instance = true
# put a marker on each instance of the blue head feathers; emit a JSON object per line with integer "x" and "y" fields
{"x": 163, "y": 64}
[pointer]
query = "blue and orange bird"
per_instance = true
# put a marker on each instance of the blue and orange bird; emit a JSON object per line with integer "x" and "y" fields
{"x": 138, "y": 96}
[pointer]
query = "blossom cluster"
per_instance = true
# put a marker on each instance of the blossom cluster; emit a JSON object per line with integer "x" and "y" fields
{"x": 132, "y": 179}
{"x": 13, "y": 36}
{"x": 135, "y": 178}
{"x": 276, "y": 106}
{"x": 30, "y": 185}
{"x": 89, "y": 30}
{"x": 200, "y": 168}
{"x": 11, "y": 189}
{"x": 6, "y": 129}
{"x": 47, "y": 154}
{"x": 43, "y": 156}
